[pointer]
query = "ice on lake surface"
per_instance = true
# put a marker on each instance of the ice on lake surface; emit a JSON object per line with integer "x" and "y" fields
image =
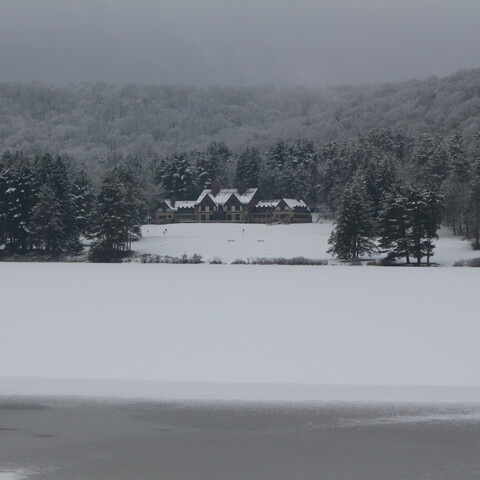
{"x": 63, "y": 439}
{"x": 12, "y": 474}
{"x": 228, "y": 323}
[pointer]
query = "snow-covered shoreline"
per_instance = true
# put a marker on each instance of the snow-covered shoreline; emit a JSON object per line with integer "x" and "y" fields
{"x": 228, "y": 242}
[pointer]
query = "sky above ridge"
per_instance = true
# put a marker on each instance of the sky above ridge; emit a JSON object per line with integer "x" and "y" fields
{"x": 227, "y": 42}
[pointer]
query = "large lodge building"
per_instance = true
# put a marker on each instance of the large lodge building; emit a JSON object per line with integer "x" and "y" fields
{"x": 233, "y": 205}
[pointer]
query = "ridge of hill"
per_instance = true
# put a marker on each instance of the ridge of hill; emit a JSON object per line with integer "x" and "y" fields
{"x": 93, "y": 121}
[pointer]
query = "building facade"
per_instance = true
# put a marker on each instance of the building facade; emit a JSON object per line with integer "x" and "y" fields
{"x": 233, "y": 206}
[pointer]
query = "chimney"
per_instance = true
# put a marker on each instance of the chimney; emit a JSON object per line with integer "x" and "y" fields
{"x": 215, "y": 188}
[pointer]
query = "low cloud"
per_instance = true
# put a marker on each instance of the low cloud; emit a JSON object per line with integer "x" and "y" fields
{"x": 236, "y": 43}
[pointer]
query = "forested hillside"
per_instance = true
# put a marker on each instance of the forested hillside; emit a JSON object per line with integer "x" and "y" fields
{"x": 389, "y": 162}
{"x": 93, "y": 122}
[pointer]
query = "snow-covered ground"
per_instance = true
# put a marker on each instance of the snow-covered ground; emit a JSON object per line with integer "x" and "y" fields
{"x": 236, "y": 241}
{"x": 242, "y": 241}
{"x": 254, "y": 324}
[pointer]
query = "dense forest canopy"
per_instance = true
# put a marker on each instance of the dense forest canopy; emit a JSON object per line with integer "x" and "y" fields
{"x": 390, "y": 162}
{"x": 93, "y": 122}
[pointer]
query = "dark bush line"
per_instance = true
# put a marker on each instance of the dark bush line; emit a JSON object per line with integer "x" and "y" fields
{"x": 99, "y": 255}
{"x": 385, "y": 262}
{"x": 183, "y": 259}
{"x": 474, "y": 262}
{"x": 42, "y": 257}
{"x": 280, "y": 261}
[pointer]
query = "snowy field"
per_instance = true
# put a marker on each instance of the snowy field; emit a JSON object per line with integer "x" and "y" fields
{"x": 242, "y": 241}
{"x": 225, "y": 323}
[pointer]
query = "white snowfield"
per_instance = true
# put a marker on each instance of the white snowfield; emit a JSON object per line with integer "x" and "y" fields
{"x": 229, "y": 241}
{"x": 324, "y": 325}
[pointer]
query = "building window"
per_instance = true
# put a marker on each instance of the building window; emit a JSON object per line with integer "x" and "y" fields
{"x": 237, "y": 217}
{"x": 203, "y": 218}
{"x": 229, "y": 217}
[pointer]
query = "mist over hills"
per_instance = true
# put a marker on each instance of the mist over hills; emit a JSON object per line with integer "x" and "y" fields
{"x": 91, "y": 122}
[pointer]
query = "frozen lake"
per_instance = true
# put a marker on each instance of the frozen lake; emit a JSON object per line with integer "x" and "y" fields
{"x": 232, "y": 324}
{"x": 55, "y": 439}
{"x": 227, "y": 323}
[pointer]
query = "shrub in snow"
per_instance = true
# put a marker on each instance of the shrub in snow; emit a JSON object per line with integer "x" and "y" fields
{"x": 280, "y": 261}
{"x": 239, "y": 261}
{"x": 184, "y": 259}
{"x": 473, "y": 262}
{"x": 355, "y": 263}
{"x": 216, "y": 261}
{"x": 105, "y": 255}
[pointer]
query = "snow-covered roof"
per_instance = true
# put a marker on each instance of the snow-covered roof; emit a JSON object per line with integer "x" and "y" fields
{"x": 246, "y": 197}
{"x": 267, "y": 203}
{"x": 225, "y": 193}
{"x": 205, "y": 193}
{"x": 292, "y": 203}
{"x": 180, "y": 204}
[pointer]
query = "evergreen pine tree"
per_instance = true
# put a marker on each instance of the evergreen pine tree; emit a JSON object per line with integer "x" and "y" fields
{"x": 3, "y": 203}
{"x": 330, "y": 173}
{"x": 248, "y": 167}
{"x": 473, "y": 210}
{"x": 394, "y": 226}
{"x": 424, "y": 208}
{"x": 455, "y": 186}
{"x": 271, "y": 179}
{"x": 304, "y": 158}
{"x": 56, "y": 173}
{"x": 430, "y": 161}
{"x": 108, "y": 219}
{"x": 82, "y": 197}
{"x": 116, "y": 214}
{"x": 19, "y": 200}
{"x": 472, "y": 207}
{"x": 135, "y": 211}
{"x": 48, "y": 227}
{"x": 354, "y": 232}
{"x": 213, "y": 165}
{"x": 178, "y": 177}
{"x": 381, "y": 179}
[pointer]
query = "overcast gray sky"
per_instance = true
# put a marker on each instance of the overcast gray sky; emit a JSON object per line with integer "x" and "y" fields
{"x": 236, "y": 42}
